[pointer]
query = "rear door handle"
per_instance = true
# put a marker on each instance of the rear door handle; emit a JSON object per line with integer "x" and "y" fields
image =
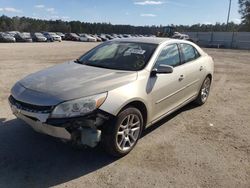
{"x": 201, "y": 68}
{"x": 181, "y": 78}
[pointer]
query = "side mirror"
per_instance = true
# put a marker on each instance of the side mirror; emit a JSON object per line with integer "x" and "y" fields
{"x": 162, "y": 69}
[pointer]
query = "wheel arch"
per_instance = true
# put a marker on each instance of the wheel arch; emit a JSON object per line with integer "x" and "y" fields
{"x": 141, "y": 107}
{"x": 210, "y": 76}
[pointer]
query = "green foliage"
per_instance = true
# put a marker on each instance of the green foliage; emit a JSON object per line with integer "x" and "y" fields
{"x": 37, "y": 25}
{"x": 245, "y": 13}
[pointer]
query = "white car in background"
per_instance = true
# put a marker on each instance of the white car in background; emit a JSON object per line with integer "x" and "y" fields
{"x": 98, "y": 39}
{"x": 87, "y": 38}
{"x": 181, "y": 36}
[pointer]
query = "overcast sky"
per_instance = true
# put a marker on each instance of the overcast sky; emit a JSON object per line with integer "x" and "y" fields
{"x": 134, "y": 12}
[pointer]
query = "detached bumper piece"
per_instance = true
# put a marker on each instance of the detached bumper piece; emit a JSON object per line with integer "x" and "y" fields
{"x": 45, "y": 128}
{"x": 84, "y": 130}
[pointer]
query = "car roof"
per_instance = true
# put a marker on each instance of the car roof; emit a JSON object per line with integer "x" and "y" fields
{"x": 150, "y": 40}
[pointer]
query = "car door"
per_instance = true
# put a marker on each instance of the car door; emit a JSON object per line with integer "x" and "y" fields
{"x": 193, "y": 70}
{"x": 167, "y": 89}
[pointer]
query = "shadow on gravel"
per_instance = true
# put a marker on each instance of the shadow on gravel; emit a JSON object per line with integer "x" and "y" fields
{"x": 166, "y": 119}
{"x": 30, "y": 159}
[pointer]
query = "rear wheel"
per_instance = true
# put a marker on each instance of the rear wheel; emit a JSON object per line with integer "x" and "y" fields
{"x": 204, "y": 92}
{"x": 121, "y": 137}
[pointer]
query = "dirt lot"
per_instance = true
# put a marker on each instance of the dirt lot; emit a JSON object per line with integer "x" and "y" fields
{"x": 205, "y": 146}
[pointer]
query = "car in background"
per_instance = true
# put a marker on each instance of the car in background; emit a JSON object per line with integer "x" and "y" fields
{"x": 72, "y": 37}
{"x": 23, "y": 37}
{"x": 5, "y": 37}
{"x": 61, "y": 35}
{"x": 109, "y": 37}
{"x": 52, "y": 37}
{"x": 12, "y": 33}
{"x": 181, "y": 36}
{"x": 39, "y": 37}
{"x": 98, "y": 39}
{"x": 87, "y": 38}
{"x": 113, "y": 92}
{"x": 103, "y": 37}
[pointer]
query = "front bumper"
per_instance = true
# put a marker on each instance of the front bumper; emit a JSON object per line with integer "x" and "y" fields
{"x": 57, "y": 39}
{"x": 84, "y": 130}
{"x": 38, "y": 122}
{"x": 44, "y": 128}
{"x": 41, "y": 39}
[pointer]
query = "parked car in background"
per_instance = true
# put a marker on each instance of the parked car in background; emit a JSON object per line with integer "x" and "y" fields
{"x": 98, "y": 39}
{"x": 72, "y": 37}
{"x": 103, "y": 37}
{"x": 126, "y": 36}
{"x": 39, "y": 37}
{"x": 61, "y": 35}
{"x": 52, "y": 37}
{"x": 23, "y": 37}
{"x": 109, "y": 37}
{"x": 181, "y": 36}
{"x": 114, "y": 91}
{"x": 87, "y": 38}
{"x": 5, "y": 37}
{"x": 12, "y": 33}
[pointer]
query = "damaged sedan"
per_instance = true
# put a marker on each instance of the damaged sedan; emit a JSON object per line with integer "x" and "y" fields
{"x": 113, "y": 92}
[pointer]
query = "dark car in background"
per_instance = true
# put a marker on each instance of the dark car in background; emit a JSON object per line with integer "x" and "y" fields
{"x": 103, "y": 37}
{"x": 5, "y": 37}
{"x": 23, "y": 37}
{"x": 109, "y": 37}
{"x": 39, "y": 37}
{"x": 52, "y": 37}
{"x": 72, "y": 36}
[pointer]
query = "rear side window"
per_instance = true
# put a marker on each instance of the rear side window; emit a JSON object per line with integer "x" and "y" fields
{"x": 189, "y": 52}
{"x": 169, "y": 56}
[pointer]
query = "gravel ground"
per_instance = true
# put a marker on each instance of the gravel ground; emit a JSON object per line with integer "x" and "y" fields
{"x": 206, "y": 146}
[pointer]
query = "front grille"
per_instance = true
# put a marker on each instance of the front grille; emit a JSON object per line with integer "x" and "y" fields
{"x": 30, "y": 107}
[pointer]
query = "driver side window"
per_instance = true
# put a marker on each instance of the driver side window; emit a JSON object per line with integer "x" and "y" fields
{"x": 169, "y": 56}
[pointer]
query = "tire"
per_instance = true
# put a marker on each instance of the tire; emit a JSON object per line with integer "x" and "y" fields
{"x": 122, "y": 134}
{"x": 204, "y": 92}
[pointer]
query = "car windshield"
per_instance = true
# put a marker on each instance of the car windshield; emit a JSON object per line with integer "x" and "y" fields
{"x": 52, "y": 34}
{"x": 5, "y": 34}
{"x": 128, "y": 56}
{"x": 82, "y": 35}
{"x": 74, "y": 35}
{"x": 39, "y": 34}
{"x": 24, "y": 35}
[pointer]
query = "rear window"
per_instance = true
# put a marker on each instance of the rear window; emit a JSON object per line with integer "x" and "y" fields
{"x": 169, "y": 56}
{"x": 189, "y": 52}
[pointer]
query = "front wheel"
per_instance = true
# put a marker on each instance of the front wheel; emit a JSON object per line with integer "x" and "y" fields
{"x": 120, "y": 138}
{"x": 204, "y": 92}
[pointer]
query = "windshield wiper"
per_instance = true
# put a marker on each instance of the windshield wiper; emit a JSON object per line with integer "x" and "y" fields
{"x": 99, "y": 66}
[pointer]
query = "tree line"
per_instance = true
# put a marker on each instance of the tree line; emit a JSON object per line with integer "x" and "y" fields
{"x": 25, "y": 24}
{"x": 245, "y": 14}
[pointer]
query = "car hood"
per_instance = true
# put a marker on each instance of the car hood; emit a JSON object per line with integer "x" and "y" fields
{"x": 72, "y": 80}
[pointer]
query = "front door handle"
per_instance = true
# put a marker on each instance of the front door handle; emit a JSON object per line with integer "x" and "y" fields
{"x": 181, "y": 78}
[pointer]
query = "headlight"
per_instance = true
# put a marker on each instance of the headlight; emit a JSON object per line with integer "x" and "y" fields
{"x": 78, "y": 107}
